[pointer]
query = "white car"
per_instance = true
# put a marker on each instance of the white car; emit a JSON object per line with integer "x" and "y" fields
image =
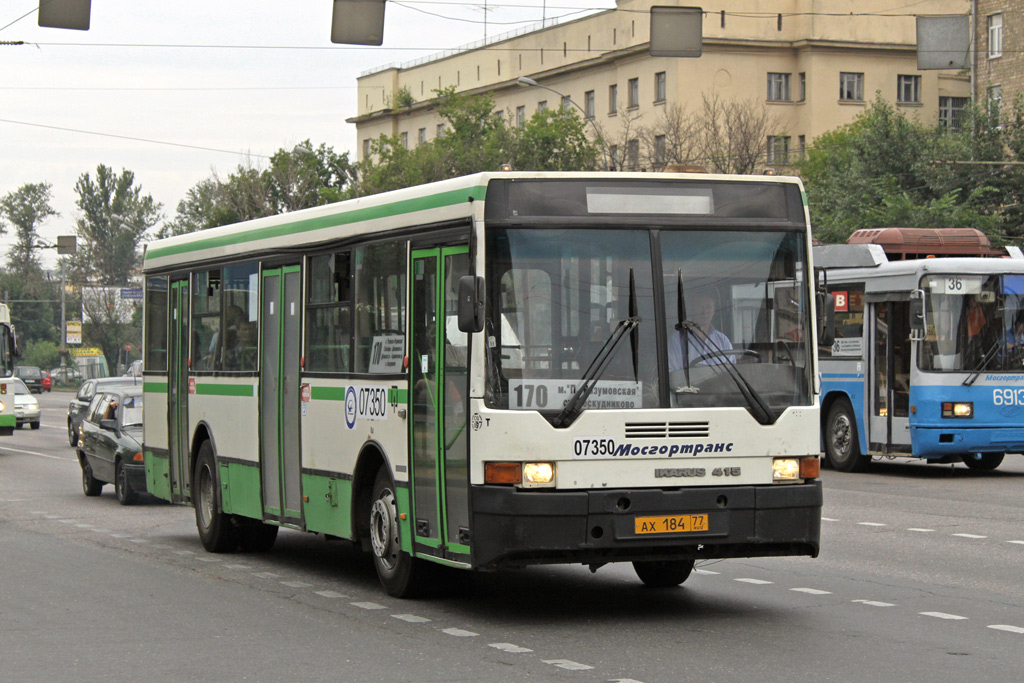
{"x": 26, "y": 407}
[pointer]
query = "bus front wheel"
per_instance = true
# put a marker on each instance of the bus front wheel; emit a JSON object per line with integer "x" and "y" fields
{"x": 216, "y": 530}
{"x": 842, "y": 446}
{"x": 983, "y": 462}
{"x": 397, "y": 570}
{"x": 663, "y": 573}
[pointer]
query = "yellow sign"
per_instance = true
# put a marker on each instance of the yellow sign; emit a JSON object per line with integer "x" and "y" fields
{"x": 87, "y": 352}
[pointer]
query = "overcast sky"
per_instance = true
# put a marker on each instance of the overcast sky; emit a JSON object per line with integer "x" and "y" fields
{"x": 233, "y": 77}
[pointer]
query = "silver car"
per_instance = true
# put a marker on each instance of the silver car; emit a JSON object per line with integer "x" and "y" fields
{"x": 26, "y": 407}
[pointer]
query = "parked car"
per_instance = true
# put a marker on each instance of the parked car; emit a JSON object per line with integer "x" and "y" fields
{"x": 66, "y": 375}
{"x": 110, "y": 446}
{"x": 26, "y": 407}
{"x": 80, "y": 403}
{"x": 47, "y": 382}
{"x": 31, "y": 376}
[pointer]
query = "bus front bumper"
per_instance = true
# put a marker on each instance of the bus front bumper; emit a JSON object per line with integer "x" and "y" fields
{"x": 958, "y": 440}
{"x": 515, "y": 528}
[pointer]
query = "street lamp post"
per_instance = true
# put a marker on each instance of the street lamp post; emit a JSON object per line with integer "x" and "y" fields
{"x": 525, "y": 82}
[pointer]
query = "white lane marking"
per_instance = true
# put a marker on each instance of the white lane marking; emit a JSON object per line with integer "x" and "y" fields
{"x": 41, "y": 455}
{"x": 84, "y": 526}
{"x": 941, "y": 615}
{"x": 756, "y": 582}
{"x": 66, "y": 521}
{"x": 203, "y": 558}
{"x": 52, "y": 516}
{"x": 509, "y": 647}
{"x": 707, "y": 571}
{"x": 184, "y": 552}
{"x": 101, "y": 531}
{"x": 266, "y": 575}
{"x": 924, "y": 531}
{"x": 37, "y": 512}
{"x": 970, "y": 536}
{"x": 297, "y": 584}
{"x": 871, "y": 524}
{"x": 459, "y": 633}
{"x": 1017, "y": 542}
{"x": 367, "y": 605}
{"x": 829, "y": 519}
{"x": 811, "y": 591}
{"x": 1007, "y": 627}
{"x": 411, "y": 618}
{"x": 330, "y": 594}
{"x": 121, "y": 535}
{"x": 240, "y": 567}
{"x": 567, "y": 664}
{"x": 138, "y": 540}
{"x": 874, "y": 603}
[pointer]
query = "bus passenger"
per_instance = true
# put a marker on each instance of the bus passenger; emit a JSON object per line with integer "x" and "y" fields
{"x": 701, "y": 312}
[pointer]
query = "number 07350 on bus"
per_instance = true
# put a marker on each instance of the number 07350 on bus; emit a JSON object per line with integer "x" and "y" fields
{"x": 496, "y": 371}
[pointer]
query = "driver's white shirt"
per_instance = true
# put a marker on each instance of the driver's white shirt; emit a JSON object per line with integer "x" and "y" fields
{"x": 697, "y": 349}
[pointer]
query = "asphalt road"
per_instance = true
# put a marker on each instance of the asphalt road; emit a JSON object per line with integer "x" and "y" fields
{"x": 918, "y": 580}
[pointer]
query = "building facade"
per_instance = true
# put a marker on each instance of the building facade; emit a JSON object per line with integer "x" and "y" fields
{"x": 811, "y": 65}
{"x": 998, "y": 60}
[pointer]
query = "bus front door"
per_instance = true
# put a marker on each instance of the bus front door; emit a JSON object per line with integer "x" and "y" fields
{"x": 889, "y": 424}
{"x": 177, "y": 392}
{"x": 280, "y": 462}
{"x": 439, "y": 395}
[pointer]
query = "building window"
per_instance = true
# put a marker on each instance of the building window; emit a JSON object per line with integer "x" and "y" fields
{"x": 908, "y": 89}
{"x": 803, "y": 87}
{"x": 542, "y": 105}
{"x": 802, "y": 146}
{"x": 634, "y": 93}
{"x": 995, "y": 101}
{"x": 951, "y": 111}
{"x": 633, "y": 154}
{"x": 659, "y": 86}
{"x": 589, "y": 103}
{"x": 659, "y": 152}
{"x": 404, "y": 140}
{"x": 566, "y": 103}
{"x": 366, "y": 148}
{"x": 440, "y": 129}
{"x": 521, "y": 115}
{"x": 613, "y": 99}
{"x": 421, "y": 137}
{"x": 778, "y": 87}
{"x": 995, "y": 35}
{"x": 778, "y": 149}
{"x": 851, "y": 87}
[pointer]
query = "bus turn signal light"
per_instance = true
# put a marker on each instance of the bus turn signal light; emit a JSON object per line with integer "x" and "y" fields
{"x": 503, "y": 473}
{"x": 810, "y": 468}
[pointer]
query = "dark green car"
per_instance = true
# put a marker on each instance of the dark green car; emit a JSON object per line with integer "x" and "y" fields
{"x": 110, "y": 444}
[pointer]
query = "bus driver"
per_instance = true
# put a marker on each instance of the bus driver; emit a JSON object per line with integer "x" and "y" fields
{"x": 701, "y": 312}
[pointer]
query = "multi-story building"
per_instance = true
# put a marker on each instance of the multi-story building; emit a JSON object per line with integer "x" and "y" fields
{"x": 811, "y": 65}
{"x": 998, "y": 60}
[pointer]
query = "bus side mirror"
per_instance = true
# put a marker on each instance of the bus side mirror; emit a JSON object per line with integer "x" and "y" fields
{"x": 826, "y": 304}
{"x": 471, "y": 303}
{"x": 917, "y": 315}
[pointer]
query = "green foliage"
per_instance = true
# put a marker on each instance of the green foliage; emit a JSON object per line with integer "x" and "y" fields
{"x": 296, "y": 179}
{"x": 43, "y": 354}
{"x": 26, "y": 208}
{"x": 475, "y": 139}
{"x": 885, "y": 170}
{"x": 35, "y": 306}
{"x": 403, "y": 98}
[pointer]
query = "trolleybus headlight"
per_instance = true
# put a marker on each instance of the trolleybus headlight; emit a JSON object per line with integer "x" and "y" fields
{"x": 792, "y": 469}
{"x": 2, "y": 406}
{"x": 538, "y": 474}
{"x": 950, "y": 409}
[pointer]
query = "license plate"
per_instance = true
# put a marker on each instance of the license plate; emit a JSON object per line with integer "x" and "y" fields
{"x": 670, "y": 524}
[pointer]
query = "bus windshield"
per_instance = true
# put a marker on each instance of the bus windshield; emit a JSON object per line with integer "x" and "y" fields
{"x": 974, "y": 323}
{"x": 557, "y": 296}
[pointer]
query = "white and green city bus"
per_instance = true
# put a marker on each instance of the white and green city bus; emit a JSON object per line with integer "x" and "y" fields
{"x": 482, "y": 373}
{"x": 8, "y": 351}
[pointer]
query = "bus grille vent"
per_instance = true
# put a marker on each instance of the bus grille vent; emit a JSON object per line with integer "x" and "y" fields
{"x": 666, "y": 430}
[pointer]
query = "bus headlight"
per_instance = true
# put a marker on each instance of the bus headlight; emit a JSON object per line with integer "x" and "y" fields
{"x": 2, "y": 406}
{"x": 963, "y": 409}
{"x": 792, "y": 469}
{"x": 536, "y": 474}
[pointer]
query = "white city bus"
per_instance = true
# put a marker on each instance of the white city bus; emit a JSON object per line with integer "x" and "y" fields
{"x": 479, "y": 373}
{"x": 8, "y": 351}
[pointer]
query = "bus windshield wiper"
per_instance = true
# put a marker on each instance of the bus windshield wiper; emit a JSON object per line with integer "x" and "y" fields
{"x": 574, "y": 406}
{"x": 985, "y": 360}
{"x": 761, "y": 411}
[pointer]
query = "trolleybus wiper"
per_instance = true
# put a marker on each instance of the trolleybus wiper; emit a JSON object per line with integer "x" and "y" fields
{"x": 574, "y": 406}
{"x": 761, "y": 411}
{"x": 985, "y": 360}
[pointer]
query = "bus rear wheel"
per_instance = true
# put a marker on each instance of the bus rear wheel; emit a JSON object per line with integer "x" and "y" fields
{"x": 663, "y": 573}
{"x": 397, "y": 570}
{"x": 842, "y": 445}
{"x": 983, "y": 462}
{"x": 216, "y": 530}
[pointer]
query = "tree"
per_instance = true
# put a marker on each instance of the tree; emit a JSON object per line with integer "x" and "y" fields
{"x": 733, "y": 135}
{"x": 25, "y": 209}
